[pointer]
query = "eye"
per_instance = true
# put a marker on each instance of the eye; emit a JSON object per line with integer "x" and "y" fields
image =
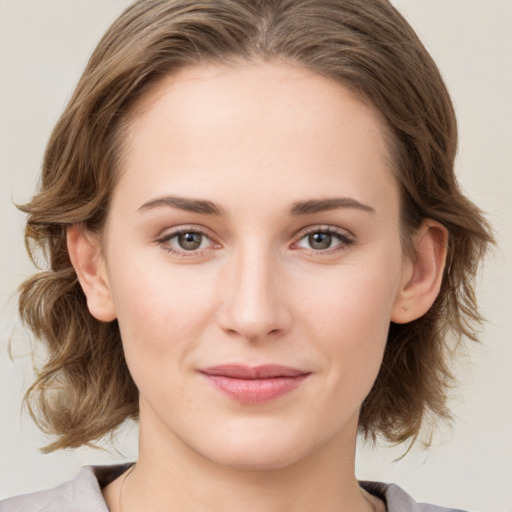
{"x": 320, "y": 241}
{"x": 324, "y": 240}
{"x": 189, "y": 241}
{"x": 185, "y": 241}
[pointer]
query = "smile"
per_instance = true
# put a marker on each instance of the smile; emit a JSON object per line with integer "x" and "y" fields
{"x": 254, "y": 385}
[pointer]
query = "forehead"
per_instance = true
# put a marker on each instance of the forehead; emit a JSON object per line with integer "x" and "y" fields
{"x": 247, "y": 124}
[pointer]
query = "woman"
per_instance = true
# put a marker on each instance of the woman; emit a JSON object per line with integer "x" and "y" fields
{"x": 258, "y": 248}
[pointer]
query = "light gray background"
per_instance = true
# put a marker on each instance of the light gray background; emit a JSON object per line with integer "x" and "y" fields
{"x": 44, "y": 45}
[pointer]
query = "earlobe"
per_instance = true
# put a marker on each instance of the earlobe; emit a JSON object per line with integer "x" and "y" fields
{"x": 423, "y": 274}
{"x": 86, "y": 257}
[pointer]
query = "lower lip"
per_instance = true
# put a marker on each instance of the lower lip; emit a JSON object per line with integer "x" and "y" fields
{"x": 255, "y": 391}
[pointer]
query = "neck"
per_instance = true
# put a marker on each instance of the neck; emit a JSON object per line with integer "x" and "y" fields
{"x": 178, "y": 478}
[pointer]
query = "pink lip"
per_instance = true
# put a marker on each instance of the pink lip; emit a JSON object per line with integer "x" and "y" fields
{"x": 256, "y": 384}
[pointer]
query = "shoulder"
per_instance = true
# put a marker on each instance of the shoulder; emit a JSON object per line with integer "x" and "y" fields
{"x": 397, "y": 500}
{"x": 82, "y": 494}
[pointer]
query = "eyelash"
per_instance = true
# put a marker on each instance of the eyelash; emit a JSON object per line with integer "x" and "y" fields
{"x": 344, "y": 239}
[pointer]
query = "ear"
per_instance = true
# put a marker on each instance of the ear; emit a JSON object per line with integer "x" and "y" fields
{"x": 423, "y": 273}
{"x": 86, "y": 257}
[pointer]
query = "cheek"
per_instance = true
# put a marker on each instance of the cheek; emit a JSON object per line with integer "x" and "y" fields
{"x": 353, "y": 301}
{"x": 349, "y": 319}
{"x": 160, "y": 308}
{"x": 161, "y": 317}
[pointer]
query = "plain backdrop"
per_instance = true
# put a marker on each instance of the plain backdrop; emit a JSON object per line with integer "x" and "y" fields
{"x": 44, "y": 45}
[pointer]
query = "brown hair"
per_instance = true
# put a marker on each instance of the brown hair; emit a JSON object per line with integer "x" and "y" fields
{"x": 84, "y": 389}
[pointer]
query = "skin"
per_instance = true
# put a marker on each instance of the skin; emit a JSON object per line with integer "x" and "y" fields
{"x": 254, "y": 140}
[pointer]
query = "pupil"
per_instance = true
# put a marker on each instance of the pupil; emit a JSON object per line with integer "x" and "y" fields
{"x": 190, "y": 241}
{"x": 320, "y": 240}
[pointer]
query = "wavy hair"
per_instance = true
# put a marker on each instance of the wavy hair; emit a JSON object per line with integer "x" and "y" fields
{"x": 84, "y": 390}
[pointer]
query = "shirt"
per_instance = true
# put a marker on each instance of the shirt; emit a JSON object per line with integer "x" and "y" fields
{"x": 83, "y": 494}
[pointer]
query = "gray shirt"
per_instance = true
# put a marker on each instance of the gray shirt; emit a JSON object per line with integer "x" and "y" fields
{"x": 83, "y": 494}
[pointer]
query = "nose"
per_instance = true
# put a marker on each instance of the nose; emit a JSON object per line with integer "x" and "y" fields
{"x": 254, "y": 304}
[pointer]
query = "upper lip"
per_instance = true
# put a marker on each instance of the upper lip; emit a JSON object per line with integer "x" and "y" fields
{"x": 240, "y": 371}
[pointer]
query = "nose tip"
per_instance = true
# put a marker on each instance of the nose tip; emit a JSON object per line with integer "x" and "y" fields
{"x": 253, "y": 330}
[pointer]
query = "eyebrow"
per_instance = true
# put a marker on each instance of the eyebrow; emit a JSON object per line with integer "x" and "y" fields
{"x": 322, "y": 205}
{"x": 299, "y": 208}
{"x": 190, "y": 205}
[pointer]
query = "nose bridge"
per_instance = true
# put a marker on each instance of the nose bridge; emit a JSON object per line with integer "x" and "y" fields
{"x": 254, "y": 302}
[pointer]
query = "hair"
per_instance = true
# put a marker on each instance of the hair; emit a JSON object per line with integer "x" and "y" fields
{"x": 83, "y": 390}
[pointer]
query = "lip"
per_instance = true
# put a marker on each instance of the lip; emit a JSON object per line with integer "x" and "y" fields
{"x": 254, "y": 384}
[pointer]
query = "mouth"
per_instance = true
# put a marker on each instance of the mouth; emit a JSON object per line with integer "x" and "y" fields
{"x": 254, "y": 384}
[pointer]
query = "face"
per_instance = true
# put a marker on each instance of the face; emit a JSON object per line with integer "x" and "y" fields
{"x": 252, "y": 255}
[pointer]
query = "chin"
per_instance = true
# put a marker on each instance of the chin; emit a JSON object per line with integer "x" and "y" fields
{"x": 266, "y": 449}
{"x": 255, "y": 459}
